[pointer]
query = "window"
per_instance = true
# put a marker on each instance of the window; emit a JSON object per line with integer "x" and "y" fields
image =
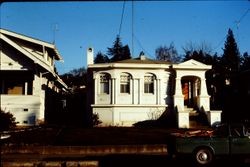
{"x": 149, "y": 83}
{"x": 125, "y": 83}
{"x": 16, "y": 87}
{"x": 104, "y": 83}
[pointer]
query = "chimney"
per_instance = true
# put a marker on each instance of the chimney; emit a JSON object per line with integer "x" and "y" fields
{"x": 90, "y": 56}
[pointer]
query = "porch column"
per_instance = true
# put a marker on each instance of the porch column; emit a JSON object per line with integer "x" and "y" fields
{"x": 139, "y": 91}
{"x": 95, "y": 91}
{"x": 158, "y": 91}
{"x": 26, "y": 88}
{"x": 178, "y": 97}
{"x": 204, "y": 98}
{"x": 203, "y": 87}
{"x": 113, "y": 92}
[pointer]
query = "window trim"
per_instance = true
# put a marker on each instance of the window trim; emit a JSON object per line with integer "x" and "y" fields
{"x": 125, "y": 85}
{"x": 149, "y": 84}
{"x": 104, "y": 79}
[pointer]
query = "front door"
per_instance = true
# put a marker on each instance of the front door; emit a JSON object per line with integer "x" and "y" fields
{"x": 187, "y": 92}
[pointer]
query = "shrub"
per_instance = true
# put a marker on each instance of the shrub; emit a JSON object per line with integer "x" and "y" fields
{"x": 7, "y": 120}
{"x": 95, "y": 119}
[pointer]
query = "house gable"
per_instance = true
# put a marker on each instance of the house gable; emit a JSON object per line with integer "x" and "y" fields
{"x": 19, "y": 37}
{"x": 191, "y": 64}
{"x": 41, "y": 53}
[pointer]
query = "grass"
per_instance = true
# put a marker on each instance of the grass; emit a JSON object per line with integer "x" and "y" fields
{"x": 90, "y": 136}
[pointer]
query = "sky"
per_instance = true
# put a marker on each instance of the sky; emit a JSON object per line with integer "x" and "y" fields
{"x": 144, "y": 25}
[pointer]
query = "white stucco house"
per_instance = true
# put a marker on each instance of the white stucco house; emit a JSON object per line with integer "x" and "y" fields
{"x": 125, "y": 92}
{"x": 27, "y": 70}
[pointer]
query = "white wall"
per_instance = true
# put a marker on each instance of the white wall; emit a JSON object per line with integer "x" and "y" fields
{"x": 124, "y": 109}
{"x": 136, "y": 95}
{"x": 24, "y": 108}
{"x": 127, "y": 115}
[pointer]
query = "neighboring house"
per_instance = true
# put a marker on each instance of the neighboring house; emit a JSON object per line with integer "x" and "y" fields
{"x": 133, "y": 90}
{"x": 28, "y": 76}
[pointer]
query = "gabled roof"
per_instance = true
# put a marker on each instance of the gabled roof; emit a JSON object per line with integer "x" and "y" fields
{"x": 11, "y": 38}
{"x": 49, "y": 46}
{"x": 191, "y": 64}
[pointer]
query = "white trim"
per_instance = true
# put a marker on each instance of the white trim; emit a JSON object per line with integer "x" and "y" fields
{"x": 27, "y": 53}
{"x": 129, "y": 65}
{"x": 126, "y": 105}
{"x": 26, "y": 38}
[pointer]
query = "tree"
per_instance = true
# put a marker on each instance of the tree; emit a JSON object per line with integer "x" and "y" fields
{"x": 231, "y": 57}
{"x": 75, "y": 113}
{"x": 118, "y": 51}
{"x": 101, "y": 58}
{"x": 201, "y": 53}
{"x": 126, "y": 52}
{"x": 230, "y": 62}
{"x": 75, "y": 78}
{"x": 7, "y": 120}
{"x": 245, "y": 62}
{"x": 167, "y": 53}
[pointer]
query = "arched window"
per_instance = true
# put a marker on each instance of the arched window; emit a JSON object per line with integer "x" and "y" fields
{"x": 125, "y": 83}
{"x": 104, "y": 83}
{"x": 149, "y": 83}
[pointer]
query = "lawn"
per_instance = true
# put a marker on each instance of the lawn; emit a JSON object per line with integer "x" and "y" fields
{"x": 90, "y": 136}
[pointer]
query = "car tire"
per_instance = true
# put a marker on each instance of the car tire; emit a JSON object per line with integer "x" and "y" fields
{"x": 203, "y": 156}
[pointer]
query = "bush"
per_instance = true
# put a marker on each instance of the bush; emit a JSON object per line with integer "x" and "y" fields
{"x": 7, "y": 120}
{"x": 95, "y": 119}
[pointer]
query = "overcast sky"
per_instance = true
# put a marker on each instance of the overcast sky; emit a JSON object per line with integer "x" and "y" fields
{"x": 75, "y": 26}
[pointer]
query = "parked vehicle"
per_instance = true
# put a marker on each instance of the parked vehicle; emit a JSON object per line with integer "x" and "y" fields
{"x": 205, "y": 145}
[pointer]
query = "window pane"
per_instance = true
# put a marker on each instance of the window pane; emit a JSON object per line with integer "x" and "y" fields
{"x": 149, "y": 84}
{"x": 125, "y": 88}
{"x": 14, "y": 87}
{"x": 125, "y": 83}
{"x": 104, "y": 83}
{"x": 104, "y": 86}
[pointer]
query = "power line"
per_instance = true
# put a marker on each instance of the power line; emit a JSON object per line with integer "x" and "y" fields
{"x": 123, "y": 8}
{"x": 237, "y": 26}
{"x": 139, "y": 43}
{"x": 241, "y": 18}
{"x": 132, "y": 28}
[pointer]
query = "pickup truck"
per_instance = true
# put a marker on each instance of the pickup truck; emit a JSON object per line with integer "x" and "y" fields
{"x": 205, "y": 145}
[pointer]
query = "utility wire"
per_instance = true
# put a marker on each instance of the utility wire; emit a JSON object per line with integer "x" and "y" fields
{"x": 123, "y": 8}
{"x": 237, "y": 26}
{"x": 241, "y": 18}
{"x": 132, "y": 28}
{"x": 139, "y": 43}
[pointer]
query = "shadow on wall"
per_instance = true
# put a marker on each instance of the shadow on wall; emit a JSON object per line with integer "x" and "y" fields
{"x": 168, "y": 119}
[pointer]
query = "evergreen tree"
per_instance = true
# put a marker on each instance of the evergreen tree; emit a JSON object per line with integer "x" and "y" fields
{"x": 245, "y": 62}
{"x": 101, "y": 58}
{"x": 230, "y": 58}
{"x": 230, "y": 62}
{"x": 126, "y": 52}
{"x": 118, "y": 51}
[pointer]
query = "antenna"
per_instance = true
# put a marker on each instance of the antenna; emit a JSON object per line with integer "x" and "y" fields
{"x": 132, "y": 27}
{"x": 55, "y": 28}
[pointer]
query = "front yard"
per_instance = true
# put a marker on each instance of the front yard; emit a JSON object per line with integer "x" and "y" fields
{"x": 89, "y": 136}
